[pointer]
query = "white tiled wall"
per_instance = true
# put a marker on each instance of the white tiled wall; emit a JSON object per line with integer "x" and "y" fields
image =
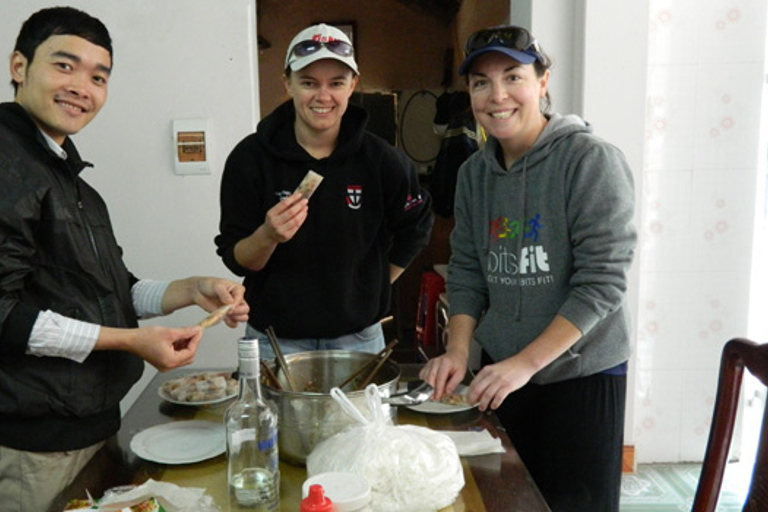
{"x": 705, "y": 82}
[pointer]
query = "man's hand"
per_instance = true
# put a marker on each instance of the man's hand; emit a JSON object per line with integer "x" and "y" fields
{"x": 166, "y": 348}
{"x": 163, "y": 347}
{"x": 211, "y": 293}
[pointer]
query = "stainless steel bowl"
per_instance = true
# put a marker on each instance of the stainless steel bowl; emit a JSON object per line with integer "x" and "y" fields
{"x": 311, "y": 415}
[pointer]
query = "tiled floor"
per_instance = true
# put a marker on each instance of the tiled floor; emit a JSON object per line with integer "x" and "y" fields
{"x": 670, "y": 488}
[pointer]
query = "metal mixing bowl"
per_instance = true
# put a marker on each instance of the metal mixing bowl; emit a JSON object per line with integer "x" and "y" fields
{"x": 311, "y": 415}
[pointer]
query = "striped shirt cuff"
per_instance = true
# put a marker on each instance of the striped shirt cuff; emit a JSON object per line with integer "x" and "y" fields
{"x": 54, "y": 335}
{"x": 148, "y": 297}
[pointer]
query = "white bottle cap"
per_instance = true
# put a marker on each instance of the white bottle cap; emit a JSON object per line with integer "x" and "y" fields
{"x": 349, "y": 492}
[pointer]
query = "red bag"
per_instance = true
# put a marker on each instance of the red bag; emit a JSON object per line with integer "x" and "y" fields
{"x": 432, "y": 285}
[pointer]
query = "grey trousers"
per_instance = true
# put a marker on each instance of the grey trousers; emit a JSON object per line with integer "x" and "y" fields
{"x": 30, "y": 481}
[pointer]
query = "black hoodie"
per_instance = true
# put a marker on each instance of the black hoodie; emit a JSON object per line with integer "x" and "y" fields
{"x": 332, "y": 278}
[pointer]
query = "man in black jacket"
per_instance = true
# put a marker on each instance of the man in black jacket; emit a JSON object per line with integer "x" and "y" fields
{"x": 70, "y": 343}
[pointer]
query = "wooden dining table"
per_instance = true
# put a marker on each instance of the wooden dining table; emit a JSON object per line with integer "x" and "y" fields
{"x": 497, "y": 482}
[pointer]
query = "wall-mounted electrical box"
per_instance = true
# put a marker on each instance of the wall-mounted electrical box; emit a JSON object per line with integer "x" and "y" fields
{"x": 191, "y": 150}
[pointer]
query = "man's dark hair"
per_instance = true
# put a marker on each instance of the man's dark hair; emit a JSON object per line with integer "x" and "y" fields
{"x": 59, "y": 21}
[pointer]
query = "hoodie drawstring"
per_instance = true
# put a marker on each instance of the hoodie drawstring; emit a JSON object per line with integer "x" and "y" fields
{"x": 521, "y": 236}
{"x": 487, "y": 200}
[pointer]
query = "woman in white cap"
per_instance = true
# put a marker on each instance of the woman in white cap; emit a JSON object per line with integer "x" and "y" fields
{"x": 320, "y": 276}
{"x": 543, "y": 241}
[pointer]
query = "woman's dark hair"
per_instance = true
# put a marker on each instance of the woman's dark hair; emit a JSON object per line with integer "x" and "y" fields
{"x": 541, "y": 65}
{"x": 59, "y": 21}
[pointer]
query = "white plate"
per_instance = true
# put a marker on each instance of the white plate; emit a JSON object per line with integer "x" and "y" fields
{"x": 180, "y": 442}
{"x": 166, "y": 396}
{"x": 431, "y": 407}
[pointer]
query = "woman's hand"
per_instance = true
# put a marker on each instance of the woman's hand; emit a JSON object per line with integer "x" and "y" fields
{"x": 447, "y": 371}
{"x": 285, "y": 218}
{"x": 280, "y": 225}
{"x": 494, "y": 382}
{"x": 444, "y": 372}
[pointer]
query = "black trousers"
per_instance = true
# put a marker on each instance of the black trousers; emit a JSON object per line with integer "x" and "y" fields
{"x": 570, "y": 435}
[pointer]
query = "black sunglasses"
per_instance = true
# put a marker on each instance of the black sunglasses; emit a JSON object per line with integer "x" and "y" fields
{"x": 515, "y": 38}
{"x": 309, "y": 47}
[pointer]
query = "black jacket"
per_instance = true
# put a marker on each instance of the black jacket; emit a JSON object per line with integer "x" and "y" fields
{"x": 57, "y": 252}
{"x": 332, "y": 277}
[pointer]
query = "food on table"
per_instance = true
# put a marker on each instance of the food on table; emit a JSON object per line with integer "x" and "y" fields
{"x": 201, "y": 387}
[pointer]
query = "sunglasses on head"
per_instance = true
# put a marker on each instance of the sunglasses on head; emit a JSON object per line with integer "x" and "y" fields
{"x": 515, "y": 38}
{"x": 309, "y": 47}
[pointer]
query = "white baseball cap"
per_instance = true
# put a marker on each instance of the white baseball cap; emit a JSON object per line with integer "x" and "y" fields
{"x": 320, "y": 42}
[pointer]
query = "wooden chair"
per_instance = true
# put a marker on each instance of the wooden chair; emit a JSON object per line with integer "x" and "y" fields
{"x": 737, "y": 354}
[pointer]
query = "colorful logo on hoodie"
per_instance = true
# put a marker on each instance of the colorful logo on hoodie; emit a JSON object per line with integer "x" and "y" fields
{"x": 354, "y": 196}
{"x": 504, "y": 265}
{"x": 506, "y": 228}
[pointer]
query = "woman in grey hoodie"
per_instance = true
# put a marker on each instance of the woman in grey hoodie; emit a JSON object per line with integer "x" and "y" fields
{"x": 543, "y": 241}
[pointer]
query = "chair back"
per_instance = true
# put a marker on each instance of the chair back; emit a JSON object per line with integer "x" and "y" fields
{"x": 737, "y": 354}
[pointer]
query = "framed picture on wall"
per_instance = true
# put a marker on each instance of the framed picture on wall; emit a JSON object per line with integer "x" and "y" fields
{"x": 348, "y": 27}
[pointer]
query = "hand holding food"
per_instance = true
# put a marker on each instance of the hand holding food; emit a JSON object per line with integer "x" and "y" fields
{"x": 215, "y": 317}
{"x": 285, "y": 218}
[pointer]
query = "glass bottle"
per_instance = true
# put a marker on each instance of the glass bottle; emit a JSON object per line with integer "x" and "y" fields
{"x": 253, "y": 472}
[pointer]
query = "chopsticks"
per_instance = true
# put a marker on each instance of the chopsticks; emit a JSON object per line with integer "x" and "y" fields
{"x": 281, "y": 359}
{"x": 270, "y": 375}
{"x": 378, "y": 360}
{"x": 375, "y": 370}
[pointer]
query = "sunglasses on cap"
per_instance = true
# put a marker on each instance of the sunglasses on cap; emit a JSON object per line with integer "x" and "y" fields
{"x": 304, "y": 48}
{"x": 515, "y": 38}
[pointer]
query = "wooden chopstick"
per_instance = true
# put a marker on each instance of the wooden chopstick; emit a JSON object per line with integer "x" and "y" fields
{"x": 367, "y": 364}
{"x": 375, "y": 370}
{"x": 280, "y": 359}
{"x": 270, "y": 375}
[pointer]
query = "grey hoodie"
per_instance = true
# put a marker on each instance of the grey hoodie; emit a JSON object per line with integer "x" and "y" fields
{"x": 552, "y": 235}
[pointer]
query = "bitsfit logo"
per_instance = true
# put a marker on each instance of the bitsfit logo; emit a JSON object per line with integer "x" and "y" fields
{"x": 505, "y": 266}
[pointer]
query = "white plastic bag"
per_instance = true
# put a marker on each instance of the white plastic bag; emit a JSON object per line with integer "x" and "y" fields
{"x": 410, "y": 468}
